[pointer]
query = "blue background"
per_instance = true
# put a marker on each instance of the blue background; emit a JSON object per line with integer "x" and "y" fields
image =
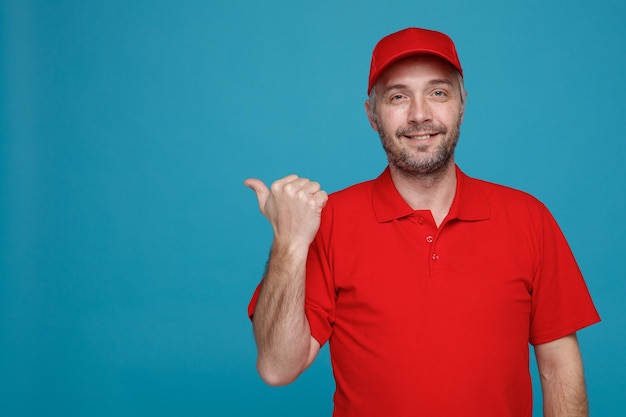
{"x": 129, "y": 247}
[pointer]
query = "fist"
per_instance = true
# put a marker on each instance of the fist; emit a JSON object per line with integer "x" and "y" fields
{"x": 293, "y": 206}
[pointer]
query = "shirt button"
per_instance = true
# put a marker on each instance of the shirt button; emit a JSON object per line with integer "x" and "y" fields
{"x": 420, "y": 220}
{"x": 429, "y": 239}
{"x": 435, "y": 257}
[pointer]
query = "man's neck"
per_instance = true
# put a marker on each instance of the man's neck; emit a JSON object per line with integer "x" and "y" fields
{"x": 434, "y": 192}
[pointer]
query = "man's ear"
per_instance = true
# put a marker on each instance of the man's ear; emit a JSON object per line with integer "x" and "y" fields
{"x": 370, "y": 115}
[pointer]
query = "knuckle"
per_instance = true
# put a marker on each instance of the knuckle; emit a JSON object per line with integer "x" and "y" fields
{"x": 290, "y": 189}
{"x": 276, "y": 187}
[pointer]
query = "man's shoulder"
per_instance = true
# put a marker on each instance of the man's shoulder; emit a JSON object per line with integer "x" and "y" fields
{"x": 503, "y": 197}
{"x": 353, "y": 192}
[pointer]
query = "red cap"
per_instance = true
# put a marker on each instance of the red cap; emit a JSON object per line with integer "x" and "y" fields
{"x": 407, "y": 42}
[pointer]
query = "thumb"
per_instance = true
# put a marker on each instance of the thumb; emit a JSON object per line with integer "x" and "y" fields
{"x": 260, "y": 189}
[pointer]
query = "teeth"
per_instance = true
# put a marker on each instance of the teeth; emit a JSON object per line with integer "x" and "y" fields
{"x": 422, "y": 137}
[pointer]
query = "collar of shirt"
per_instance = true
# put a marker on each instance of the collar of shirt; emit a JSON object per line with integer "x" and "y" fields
{"x": 469, "y": 204}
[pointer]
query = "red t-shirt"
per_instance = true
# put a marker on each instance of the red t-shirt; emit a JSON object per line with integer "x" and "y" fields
{"x": 436, "y": 321}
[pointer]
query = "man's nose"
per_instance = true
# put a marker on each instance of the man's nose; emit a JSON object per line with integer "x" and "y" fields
{"x": 419, "y": 111}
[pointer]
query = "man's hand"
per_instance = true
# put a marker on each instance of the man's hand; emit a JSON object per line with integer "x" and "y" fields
{"x": 293, "y": 206}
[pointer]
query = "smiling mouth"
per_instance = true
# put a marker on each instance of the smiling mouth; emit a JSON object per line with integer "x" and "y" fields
{"x": 421, "y": 137}
{"x": 421, "y": 133}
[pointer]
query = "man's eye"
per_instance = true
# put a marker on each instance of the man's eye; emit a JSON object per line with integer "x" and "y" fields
{"x": 396, "y": 97}
{"x": 439, "y": 93}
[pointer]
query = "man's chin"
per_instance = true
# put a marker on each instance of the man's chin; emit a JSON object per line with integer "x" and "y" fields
{"x": 424, "y": 166}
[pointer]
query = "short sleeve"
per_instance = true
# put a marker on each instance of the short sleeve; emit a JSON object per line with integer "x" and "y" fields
{"x": 561, "y": 303}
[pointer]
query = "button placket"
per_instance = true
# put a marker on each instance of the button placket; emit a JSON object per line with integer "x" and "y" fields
{"x": 429, "y": 232}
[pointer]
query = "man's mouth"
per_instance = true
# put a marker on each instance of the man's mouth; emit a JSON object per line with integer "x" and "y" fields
{"x": 421, "y": 133}
{"x": 422, "y": 136}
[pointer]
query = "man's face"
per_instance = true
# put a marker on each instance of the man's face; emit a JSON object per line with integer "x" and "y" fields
{"x": 418, "y": 114}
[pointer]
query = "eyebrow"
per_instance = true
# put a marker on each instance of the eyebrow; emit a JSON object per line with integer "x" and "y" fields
{"x": 441, "y": 81}
{"x": 433, "y": 82}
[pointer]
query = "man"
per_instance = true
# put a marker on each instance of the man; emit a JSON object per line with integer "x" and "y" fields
{"x": 429, "y": 285}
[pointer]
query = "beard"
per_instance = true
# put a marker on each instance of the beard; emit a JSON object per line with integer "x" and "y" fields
{"x": 418, "y": 161}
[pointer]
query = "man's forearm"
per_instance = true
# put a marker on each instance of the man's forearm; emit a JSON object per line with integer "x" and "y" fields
{"x": 562, "y": 378}
{"x": 565, "y": 396}
{"x": 281, "y": 329}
